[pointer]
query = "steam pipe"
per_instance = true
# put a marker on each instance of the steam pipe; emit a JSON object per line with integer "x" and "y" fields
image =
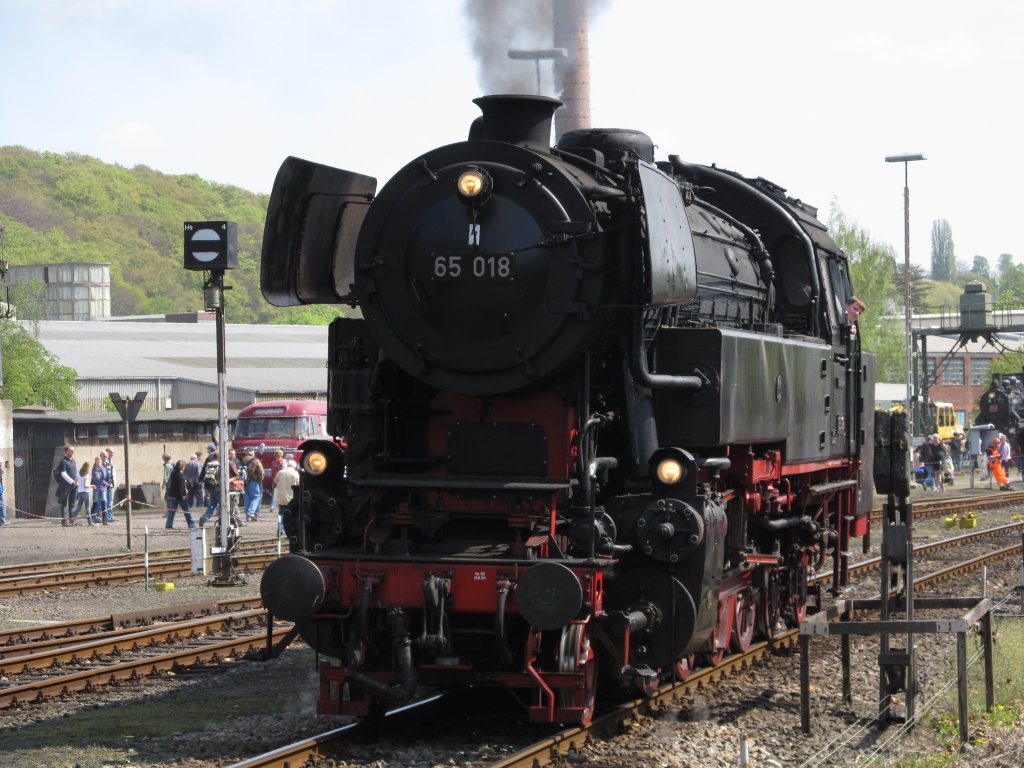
{"x": 782, "y": 523}
{"x": 596, "y": 465}
{"x": 643, "y": 376}
{"x": 825, "y": 537}
{"x": 375, "y": 687}
{"x": 589, "y": 424}
{"x": 358, "y": 641}
{"x": 401, "y": 646}
{"x": 499, "y": 622}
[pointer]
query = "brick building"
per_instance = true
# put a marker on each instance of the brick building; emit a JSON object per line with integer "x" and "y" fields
{"x": 963, "y": 377}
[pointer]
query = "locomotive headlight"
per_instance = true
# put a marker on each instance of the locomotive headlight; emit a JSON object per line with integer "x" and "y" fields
{"x": 474, "y": 185}
{"x": 314, "y": 462}
{"x": 669, "y": 471}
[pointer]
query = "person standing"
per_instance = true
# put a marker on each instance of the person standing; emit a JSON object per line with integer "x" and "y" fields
{"x": 176, "y": 496}
{"x": 192, "y": 486}
{"x": 995, "y": 466}
{"x": 253, "y": 486}
{"x": 1005, "y": 454}
{"x": 956, "y": 450}
{"x": 276, "y": 466}
{"x": 233, "y": 466}
{"x": 212, "y": 460}
{"x": 211, "y": 450}
{"x": 83, "y": 486}
{"x": 284, "y": 488}
{"x": 925, "y": 455}
{"x": 99, "y": 492}
{"x": 66, "y": 473}
{"x": 938, "y": 457}
{"x": 168, "y": 468}
{"x": 236, "y": 487}
{"x": 3, "y": 506}
{"x": 211, "y": 483}
{"x": 108, "y": 464}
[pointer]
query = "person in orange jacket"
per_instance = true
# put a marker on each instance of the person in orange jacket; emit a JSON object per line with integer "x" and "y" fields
{"x": 995, "y": 466}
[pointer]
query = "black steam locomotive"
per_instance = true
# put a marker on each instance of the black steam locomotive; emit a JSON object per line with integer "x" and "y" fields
{"x": 1003, "y": 403}
{"x": 599, "y": 420}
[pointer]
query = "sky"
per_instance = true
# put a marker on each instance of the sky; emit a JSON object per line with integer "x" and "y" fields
{"x": 811, "y": 95}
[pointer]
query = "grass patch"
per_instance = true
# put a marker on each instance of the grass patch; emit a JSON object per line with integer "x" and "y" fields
{"x": 1008, "y": 689}
{"x": 140, "y": 732}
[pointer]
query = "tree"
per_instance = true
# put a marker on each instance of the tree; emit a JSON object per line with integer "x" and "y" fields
{"x": 943, "y": 257}
{"x": 919, "y": 287}
{"x": 1005, "y": 263}
{"x": 872, "y": 268}
{"x": 980, "y": 266}
{"x": 1011, "y": 286}
{"x": 942, "y": 296}
{"x": 316, "y": 314}
{"x": 1008, "y": 362}
{"x": 31, "y": 374}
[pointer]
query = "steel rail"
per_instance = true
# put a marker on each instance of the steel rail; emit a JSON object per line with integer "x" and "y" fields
{"x": 872, "y": 563}
{"x": 133, "y": 670}
{"x": 124, "y": 574}
{"x": 928, "y": 508}
{"x": 48, "y": 653}
{"x": 300, "y": 752}
{"x": 11, "y": 638}
{"x": 320, "y": 745}
{"x": 547, "y": 750}
{"x": 124, "y": 558}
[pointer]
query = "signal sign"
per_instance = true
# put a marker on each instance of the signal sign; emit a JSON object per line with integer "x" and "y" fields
{"x": 128, "y": 409}
{"x": 211, "y": 245}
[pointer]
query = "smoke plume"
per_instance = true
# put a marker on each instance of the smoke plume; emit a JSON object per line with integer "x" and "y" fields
{"x": 500, "y": 26}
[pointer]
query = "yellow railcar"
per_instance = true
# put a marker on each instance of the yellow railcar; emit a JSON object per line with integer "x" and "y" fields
{"x": 944, "y": 418}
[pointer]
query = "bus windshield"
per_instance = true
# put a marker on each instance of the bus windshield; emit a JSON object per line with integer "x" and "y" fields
{"x": 273, "y": 426}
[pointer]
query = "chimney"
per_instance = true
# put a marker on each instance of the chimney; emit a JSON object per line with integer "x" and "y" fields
{"x": 514, "y": 118}
{"x": 573, "y": 72}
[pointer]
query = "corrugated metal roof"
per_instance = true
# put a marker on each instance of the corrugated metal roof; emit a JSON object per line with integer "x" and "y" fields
{"x": 261, "y": 358}
{"x": 200, "y": 415}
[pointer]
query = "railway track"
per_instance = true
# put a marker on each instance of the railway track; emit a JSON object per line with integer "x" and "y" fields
{"x": 554, "y": 747}
{"x": 215, "y": 654}
{"x": 931, "y": 507}
{"x": 17, "y": 641}
{"x": 86, "y": 573}
{"x": 166, "y": 565}
{"x": 54, "y": 666}
{"x": 126, "y": 558}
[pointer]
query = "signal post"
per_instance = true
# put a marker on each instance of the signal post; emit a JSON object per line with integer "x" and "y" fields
{"x": 212, "y": 246}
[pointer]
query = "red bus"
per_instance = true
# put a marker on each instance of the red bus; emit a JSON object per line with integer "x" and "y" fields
{"x": 278, "y": 424}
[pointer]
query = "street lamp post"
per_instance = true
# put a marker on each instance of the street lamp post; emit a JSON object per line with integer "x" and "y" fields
{"x": 536, "y": 54}
{"x": 906, "y": 159}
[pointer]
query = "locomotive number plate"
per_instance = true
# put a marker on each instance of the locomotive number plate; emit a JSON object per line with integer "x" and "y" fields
{"x": 473, "y": 267}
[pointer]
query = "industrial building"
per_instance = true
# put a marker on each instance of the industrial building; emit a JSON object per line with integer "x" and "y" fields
{"x": 173, "y": 359}
{"x": 70, "y": 291}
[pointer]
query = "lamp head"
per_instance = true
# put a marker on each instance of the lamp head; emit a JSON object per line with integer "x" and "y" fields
{"x": 905, "y": 158}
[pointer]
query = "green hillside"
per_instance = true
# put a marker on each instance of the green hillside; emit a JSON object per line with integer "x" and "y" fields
{"x": 75, "y": 208}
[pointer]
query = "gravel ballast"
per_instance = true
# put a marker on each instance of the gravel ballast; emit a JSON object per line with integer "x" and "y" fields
{"x": 194, "y": 720}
